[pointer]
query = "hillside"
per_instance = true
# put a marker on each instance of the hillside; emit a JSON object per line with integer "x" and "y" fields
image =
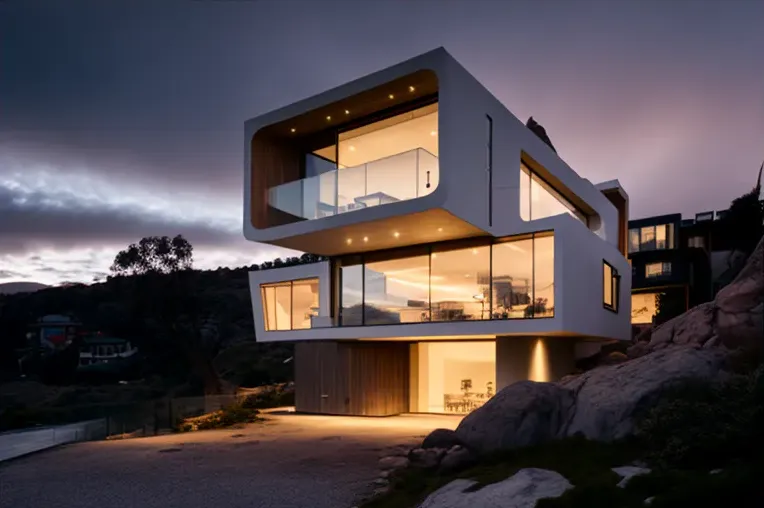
{"x": 10, "y": 288}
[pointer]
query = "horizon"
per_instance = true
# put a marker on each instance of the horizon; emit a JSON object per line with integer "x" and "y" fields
{"x": 125, "y": 120}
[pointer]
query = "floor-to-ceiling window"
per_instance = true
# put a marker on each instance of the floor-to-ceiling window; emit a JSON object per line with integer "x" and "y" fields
{"x": 477, "y": 279}
{"x": 452, "y": 376}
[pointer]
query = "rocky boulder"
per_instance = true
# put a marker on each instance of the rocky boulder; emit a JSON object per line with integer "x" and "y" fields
{"x": 441, "y": 438}
{"x": 608, "y": 399}
{"x": 521, "y": 490}
{"x": 523, "y": 414}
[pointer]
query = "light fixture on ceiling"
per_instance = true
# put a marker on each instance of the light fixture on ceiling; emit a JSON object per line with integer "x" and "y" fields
{"x": 440, "y": 230}
{"x": 391, "y": 96}
{"x": 349, "y": 241}
{"x": 433, "y": 133}
{"x": 365, "y": 239}
{"x": 294, "y": 130}
{"x": 466, "y": 275}
{"x": 328, "y": 118}
{"x": 411, "y": 89}
{"x": 434, "y": 255}
{"x": 396, "y": 234}
{"x": 347, "y": 111}
{"x": 351, "y": 148}
{"x": 474, "y": 251}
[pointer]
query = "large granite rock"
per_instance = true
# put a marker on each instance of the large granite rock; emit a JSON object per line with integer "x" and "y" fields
{"x": 607, "y": 399}
{"x": 523, "y": 414}
{"x": 521, "y": 490}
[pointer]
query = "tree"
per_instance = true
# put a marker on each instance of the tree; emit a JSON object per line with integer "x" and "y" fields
{"x": 169, "y": 303}
{"x": 743, "y": 223}
{"x": 154, "y": 254}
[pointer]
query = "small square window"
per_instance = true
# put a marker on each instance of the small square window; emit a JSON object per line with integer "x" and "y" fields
{"x": 611, "y": 283}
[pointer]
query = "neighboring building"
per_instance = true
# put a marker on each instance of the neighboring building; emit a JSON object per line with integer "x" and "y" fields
{"x": 54, "y": 332}
{"x": 464, "y": 254}
{"x": 683, "y": 261}
{"x": 101, "y": 353}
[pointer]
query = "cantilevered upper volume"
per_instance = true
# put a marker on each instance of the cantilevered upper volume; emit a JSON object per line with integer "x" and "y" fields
{"x": 416, "y": 153}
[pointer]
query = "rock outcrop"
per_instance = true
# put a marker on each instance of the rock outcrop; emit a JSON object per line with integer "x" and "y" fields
{"x": 523, "y": 414}
{"x": 521, "y": 490}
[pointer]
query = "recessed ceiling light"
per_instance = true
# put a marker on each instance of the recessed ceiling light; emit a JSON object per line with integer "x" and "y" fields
{"x": 411, "y": 89}
{"x": 391, "y": 96}
{"x": 294, "y": 130}
{"x": 434, "y": 255}
{"x": 466, "y": 275}
{"x": 440, "y": 230}
{"x": 347, "y": 111}
{"x": 474, "y": 251}
{"x": 349, "y": 241}
{"x": 365, "y": 238}
{"x": 396, "y": 234}
{"x": 351, "y": 148}
{"x": 328, "y": 118}
{"x": 433, "y": 133}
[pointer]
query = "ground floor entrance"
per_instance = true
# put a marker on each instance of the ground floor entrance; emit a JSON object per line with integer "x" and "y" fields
{"x": 382, "y": 378}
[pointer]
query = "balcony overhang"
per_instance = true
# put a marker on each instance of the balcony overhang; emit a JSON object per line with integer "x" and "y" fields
{"x": 429, "y": 226}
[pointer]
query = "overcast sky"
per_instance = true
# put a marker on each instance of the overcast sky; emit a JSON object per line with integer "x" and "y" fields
{"x": 125, "y": 119}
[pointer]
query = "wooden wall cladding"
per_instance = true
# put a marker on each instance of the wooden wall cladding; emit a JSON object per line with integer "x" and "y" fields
{"x": 352, "y": 378}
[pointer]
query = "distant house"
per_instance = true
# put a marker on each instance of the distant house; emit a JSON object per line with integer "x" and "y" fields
{"x": 54, "y": 332}
{"x": 102, "y": 351}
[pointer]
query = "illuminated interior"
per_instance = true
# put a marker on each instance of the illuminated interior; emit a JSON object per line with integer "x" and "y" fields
{"x": 391, "y": 160}
{"x": 657, "y": 237}
{"x": 289, "y": 305}
{"x": 452, "y": 377}
{"x": 644, "y": 306}
{"x": 539, "y": 200}
{"x": 472, "y": 280}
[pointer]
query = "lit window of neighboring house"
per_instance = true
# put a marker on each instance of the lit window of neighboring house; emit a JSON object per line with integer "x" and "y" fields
{"x": 651, "y": 238}
{"x": 657, "y": 269}
{"x": 696, "y": 241}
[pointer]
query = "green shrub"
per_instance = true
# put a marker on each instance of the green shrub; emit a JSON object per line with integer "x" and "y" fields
{"x": 701, "y": 425}
{"x": 227, "y": 417}
{"x": 269, "y": 399}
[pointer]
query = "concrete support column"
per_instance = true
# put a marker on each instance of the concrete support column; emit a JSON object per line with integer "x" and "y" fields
{"x": 533, "y": 358}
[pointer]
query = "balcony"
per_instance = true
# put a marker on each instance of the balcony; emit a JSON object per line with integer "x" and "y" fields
{"x": 408, "y": 175}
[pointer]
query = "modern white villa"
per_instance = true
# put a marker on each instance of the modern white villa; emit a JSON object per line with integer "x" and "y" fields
{"x": 464, "y": 253}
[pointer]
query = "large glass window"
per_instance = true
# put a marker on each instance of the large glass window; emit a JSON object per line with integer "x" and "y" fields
{"x": 470, "y": 280}
{"x": 610, "y": 286}
{"x": 543, "y": 276}
{"x": 539, "y": 200}
{"x": 657, "y": 269}
{"x": 644, "y": 306}
{"x": 397, "y": 290}
{"x": 656, "y": 237}
{"x": 460, "y": 283}
{"x": 512, "y": 278}
{"x": 289, "y": 305}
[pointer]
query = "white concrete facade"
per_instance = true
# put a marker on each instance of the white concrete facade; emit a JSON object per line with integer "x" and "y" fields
{"x": 488, "y": 201}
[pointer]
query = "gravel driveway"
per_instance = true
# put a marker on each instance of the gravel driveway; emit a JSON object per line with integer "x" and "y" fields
{"x": 290, "y": 461}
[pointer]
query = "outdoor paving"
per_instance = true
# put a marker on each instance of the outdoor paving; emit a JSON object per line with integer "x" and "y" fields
{"x": 290, "y": 461}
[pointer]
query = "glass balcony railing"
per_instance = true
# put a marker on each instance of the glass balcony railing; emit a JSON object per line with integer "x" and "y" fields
{"x": 403, "y": 176}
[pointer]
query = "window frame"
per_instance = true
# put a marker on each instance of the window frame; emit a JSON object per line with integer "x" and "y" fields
{"x": 284, "y": 283}
{"x": 574, "y": 210}
{"x": 615, "y": 288}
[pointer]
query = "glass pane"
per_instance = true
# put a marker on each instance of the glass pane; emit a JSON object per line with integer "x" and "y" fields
{"x": 460, "y": 284}
{"x": 669, "y": 236}
{"x": 283, "y": 307}
{"x": 304, "y": 303}
{"x": 543, "y": 276}
{"x": 607, "y": 278}
{"x": 327, "y": 195}
{"x": 269, "y": 307}
{"x": 397, "y": 291}
{"x": 391, "y": 179}
{"x": 512, "y": 278}
{"x": 351, "y": 184}
{"x": 352, "y": 295}
{"x": 287, "y": 197}
{"x": 660, "y": 236}
{"x": 320, "y": 162}
{"x": 634, "y": 240}
{"x": 648, "y": 238}
{"x": 644, "y": 306}
{"x": 546, "y": 202}
{"x": 525, "y": 193}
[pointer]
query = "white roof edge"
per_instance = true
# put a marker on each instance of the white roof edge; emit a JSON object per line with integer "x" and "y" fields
{"x": 612, "y": 185}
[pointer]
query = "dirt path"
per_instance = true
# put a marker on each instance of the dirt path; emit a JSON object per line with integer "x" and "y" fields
{"x": 291, "y": 461}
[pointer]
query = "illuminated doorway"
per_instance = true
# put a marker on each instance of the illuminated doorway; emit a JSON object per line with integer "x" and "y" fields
{"x": 452, "y": 377}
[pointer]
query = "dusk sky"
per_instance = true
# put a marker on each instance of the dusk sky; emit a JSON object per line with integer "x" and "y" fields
{"x": 120, "y": 120}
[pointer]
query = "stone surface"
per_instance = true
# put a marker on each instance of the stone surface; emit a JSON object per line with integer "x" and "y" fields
{"x": 457, "y": 459}
{"x": 522, "y": 414}
{"x": 441, "y": 438}
{"x": 614, "y": 358}
{"x": 629, "y": 472}
{"x": 393, "y": 462}
{"x": 607, "y": 398}
{"x": 426, "y": 459}
{"x": 521, "y": 490}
